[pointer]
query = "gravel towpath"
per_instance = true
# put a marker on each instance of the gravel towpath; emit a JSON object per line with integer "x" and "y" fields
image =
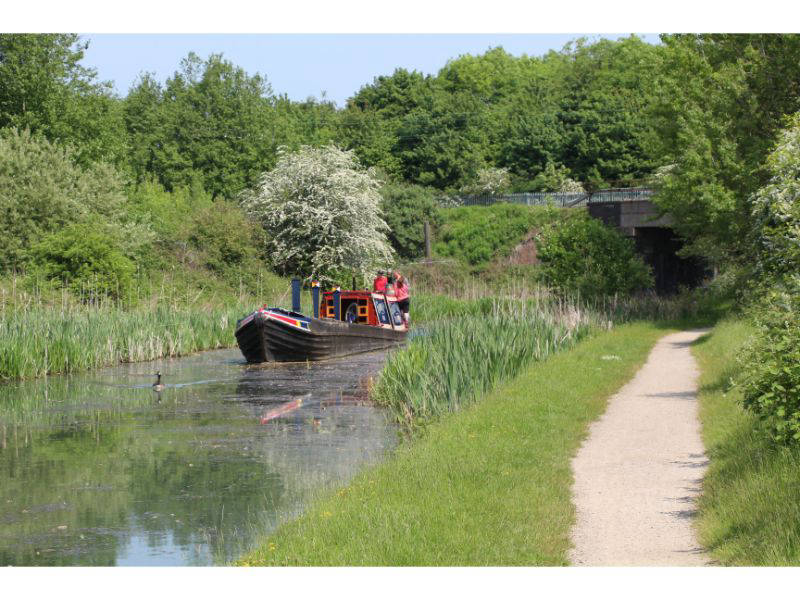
{"x": 639, "y": 472}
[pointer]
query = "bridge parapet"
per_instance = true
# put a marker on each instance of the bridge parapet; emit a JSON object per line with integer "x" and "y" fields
{"x": 630, "y": 215}
{"x": 562, "y": 199}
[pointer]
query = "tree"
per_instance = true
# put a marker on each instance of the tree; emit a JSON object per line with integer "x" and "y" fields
{"x": 211, "y": 122}
{"x": 145, "y": 126}
{"x": 602, "y": 110}
{"x": 370, "y": 122}
{"x": 444, "y": 142}
{"x": 720, "y": 102}
{"x": 406, "y": 208}
{"x": 321, "y": 213}
{"x": 44, "y": 88}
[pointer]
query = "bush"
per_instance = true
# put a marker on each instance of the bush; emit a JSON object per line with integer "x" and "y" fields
{"x": 405, "y": 209}
{"x": 479, "y": 234}
{"x": 771, "y": 366}
{"x": 776, "y": 209}
{"x": 224, "y": 235}
{"x": 582, "y": 255}
{"x": 43, "y": 188}
{"x": 87, "y": 258}
{"x": 169, "y": 214}
{"x": 770, "y": 377}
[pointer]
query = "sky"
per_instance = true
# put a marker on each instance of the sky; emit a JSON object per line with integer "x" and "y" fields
{"x": 303, "y": 65}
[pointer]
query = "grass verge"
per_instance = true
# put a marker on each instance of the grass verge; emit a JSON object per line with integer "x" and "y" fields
{"x": 489, "y": 485}
{"x": 750, "y": 507}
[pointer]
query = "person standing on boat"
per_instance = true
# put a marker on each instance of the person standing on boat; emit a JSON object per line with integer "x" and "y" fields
{"x": 401, "y": 293}
{"x": 379, "y": 285}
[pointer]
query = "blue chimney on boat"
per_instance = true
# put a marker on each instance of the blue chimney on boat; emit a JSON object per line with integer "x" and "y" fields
{"x": 296, "y": 295}
{"x": 315, "y": 298}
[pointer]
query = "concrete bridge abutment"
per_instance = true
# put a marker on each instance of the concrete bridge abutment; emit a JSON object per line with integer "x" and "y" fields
{"x": 655, "y": 240}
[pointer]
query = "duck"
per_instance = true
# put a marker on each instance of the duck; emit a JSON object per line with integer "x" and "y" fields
{"x": 158, "y": 386}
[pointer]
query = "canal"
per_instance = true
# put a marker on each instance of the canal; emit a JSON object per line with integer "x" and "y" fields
{"x": 98, "y": 469}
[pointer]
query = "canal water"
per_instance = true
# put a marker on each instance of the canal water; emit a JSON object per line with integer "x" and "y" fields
{"x": 98, "y": 469}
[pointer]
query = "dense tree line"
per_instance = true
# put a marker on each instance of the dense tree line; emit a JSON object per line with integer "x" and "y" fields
{"x": 701, "y": 111}
{"x": 579, "y": 111}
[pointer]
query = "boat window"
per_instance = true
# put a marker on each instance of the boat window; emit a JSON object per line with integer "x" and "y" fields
{"x": 380, "y": 308}
{"x": 397, "y": 315}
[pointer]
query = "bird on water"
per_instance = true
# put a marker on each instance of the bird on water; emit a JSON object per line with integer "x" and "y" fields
{"x": 158, "y": 386}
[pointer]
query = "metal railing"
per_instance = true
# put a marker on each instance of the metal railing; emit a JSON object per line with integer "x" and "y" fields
{"x": 562, "y": 199}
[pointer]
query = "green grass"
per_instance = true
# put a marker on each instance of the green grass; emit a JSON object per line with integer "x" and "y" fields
{"x": 750, "y": 506}
{"x": 489, "y": 485}
{"x": 479, "y": 234}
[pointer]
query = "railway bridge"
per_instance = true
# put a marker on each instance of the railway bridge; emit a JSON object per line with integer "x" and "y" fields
{"x": 632, "y": 212}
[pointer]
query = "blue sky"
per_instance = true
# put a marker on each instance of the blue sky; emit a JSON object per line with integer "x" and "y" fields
{"x": 302, "y": 65}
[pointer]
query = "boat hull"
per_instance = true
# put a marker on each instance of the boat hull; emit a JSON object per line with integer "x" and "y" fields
{"x": 274, "y": 338}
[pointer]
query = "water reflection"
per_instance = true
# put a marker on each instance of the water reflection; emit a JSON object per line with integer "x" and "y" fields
{"x": 101, "y": 470}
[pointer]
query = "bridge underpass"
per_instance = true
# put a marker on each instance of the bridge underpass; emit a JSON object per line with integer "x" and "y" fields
{"x": 655, "y": 240}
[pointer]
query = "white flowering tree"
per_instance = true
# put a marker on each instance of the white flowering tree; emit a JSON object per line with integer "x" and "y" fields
{"x": 490, "y": 180}
{"x": 776, "y": 207}
{"x": 321, "y": 212}
{"x": 570, "y": 186}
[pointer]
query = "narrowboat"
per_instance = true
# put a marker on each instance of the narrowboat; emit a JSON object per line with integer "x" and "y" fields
{"x": 344, "y": 322}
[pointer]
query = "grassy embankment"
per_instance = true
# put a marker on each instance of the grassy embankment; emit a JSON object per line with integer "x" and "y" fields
{"x": 750, "y": 507}
{"x": 489, "y": 485}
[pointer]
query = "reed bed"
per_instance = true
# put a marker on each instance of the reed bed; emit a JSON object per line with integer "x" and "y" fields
{"x": 457, "y": 360}
{"x": 39, "y": 340}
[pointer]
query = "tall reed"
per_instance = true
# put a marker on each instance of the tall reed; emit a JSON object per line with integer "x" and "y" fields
{"x": 40, "y": 341}
{"x": 45, "y": 329}
{"x": 458, "y": 359}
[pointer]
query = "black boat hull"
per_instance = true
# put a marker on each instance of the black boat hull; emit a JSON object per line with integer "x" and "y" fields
{"x": 265, "y": 339}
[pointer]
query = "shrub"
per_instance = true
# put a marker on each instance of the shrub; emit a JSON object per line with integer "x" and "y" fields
{"x": 86, "y": 257}
{"x": 224, "y": 235}
{"x": 770, "y": 377}
{"x": 771, "y": 366}
{"x": 489, "y": 180}
{"x": 776, "y": 208}
{"x": 405, "y": 209}
{"x": 169, "y": 214}
{"x": 43, "y": 188}
{"x": 582, "y": 255}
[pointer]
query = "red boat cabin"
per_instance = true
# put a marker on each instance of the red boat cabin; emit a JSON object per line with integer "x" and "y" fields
{"x": 364, "y": 307}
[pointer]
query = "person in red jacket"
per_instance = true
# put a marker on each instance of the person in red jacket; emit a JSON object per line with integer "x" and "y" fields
{"x": 379, "y": 284}
{"x": 401, "y": 292}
